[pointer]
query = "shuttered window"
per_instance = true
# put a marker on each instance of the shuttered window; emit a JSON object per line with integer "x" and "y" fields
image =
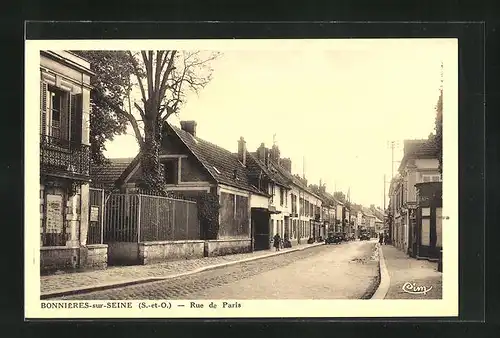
{"x": 43, "y": 108}
{"x": 76, "y": 118}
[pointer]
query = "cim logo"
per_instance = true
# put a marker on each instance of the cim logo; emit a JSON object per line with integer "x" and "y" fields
{"x": 415, "y": 289}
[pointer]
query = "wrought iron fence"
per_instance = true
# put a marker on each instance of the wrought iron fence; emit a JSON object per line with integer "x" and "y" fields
{"x": 62, "y": 155}
{"x": 142, "y": 218}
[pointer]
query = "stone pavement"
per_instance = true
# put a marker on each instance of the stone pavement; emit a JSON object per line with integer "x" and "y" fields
{"x": 70, "y": 283}
{"x": 344, "y": 271}
{"x": 416, "y": 273}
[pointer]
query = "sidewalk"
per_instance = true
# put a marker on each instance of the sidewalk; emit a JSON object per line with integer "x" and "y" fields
{"x": 403, "y": 269}
{"x": 71, "y": 283}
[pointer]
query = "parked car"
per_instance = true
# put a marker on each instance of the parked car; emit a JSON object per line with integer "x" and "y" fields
{"x": 364, "y": 237}
{"x": 334, "y": 238}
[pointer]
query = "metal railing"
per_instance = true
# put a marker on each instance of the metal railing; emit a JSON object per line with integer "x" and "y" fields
{"x": 143, "y": 218}
{"x": 58, "y": 155}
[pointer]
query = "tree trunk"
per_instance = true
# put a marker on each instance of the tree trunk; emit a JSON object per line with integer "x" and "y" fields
{"x": 152, "y": 169}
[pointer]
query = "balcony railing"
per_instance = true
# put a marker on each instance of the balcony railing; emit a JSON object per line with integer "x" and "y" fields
{"x": 64, "y": 157}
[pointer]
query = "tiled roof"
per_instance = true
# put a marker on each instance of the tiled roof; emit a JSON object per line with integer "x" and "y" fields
{"x": 219, "y": 162}
{"x": 356, "y": 208}
{"x": 423, "y": 148}
{"x": 292, "y": 179}
{"x": 107, "y": 174}
{"x": 367, "y": 212}
{"x": 255, "y": 166}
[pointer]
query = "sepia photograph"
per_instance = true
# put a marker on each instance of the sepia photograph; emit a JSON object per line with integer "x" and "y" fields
{"x": 211, "y": 176}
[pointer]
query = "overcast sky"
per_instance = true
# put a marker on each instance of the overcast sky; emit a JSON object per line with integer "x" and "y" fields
{"x": 335, "y": 107}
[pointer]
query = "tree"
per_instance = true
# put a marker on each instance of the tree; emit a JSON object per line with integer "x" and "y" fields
{"x": 164, "y": 79}
{"x": 438, "y": 138}
{"x": 112, "y": 76}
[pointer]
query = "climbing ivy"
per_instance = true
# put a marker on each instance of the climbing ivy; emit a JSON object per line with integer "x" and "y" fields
{"x": 208, "y": 214}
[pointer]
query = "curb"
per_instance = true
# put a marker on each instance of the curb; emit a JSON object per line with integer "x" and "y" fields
{"x": 385, "y": 278}
{"x": 101, "y": 287}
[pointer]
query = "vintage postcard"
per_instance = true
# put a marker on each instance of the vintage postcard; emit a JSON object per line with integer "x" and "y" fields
{"x": 241, "y": 178}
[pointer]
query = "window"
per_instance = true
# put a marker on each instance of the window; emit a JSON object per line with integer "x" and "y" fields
{"x": 425, "y": 234}
{"x": 431, "y": 178}
{"x": 171, "y": 172}
{"x": 426, "y": 212}
{"x": 57, "y": 108}
{"x": 282, "y": 196}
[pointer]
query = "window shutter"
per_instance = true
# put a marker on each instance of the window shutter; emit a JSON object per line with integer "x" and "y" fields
{"x": 43, "y": 108}
{"x": 76, "y": 118}
{"x": 65, "y": 115}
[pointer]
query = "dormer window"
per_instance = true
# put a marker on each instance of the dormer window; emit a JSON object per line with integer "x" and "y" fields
{"x": 171, "y": 171}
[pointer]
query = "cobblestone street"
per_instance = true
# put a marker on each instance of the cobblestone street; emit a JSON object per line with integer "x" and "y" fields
{"x": 346, "y": 271}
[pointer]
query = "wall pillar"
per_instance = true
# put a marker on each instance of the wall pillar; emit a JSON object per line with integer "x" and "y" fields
{"x": 84, "y": 213}
{"x": 72, "y": 219}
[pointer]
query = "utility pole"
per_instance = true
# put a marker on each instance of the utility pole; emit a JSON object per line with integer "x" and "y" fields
{"x": 392, "y": 145}
{"x": 384, "y": 193}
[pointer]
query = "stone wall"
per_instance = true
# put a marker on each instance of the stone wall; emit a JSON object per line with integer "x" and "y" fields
{"x": 223, "y": 247}
{"x": 55, "y": 258}
{"x": 96, "y": 256}
{"x": 162, "y": 251}
{"x": 123, "y": 253}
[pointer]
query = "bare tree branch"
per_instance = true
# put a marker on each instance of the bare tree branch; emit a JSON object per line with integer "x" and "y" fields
{"x": 126, "y": 114}
{"x": 138, "y": 76}
{"x": 139, "y": 108}
{"x": 170, "y": 67}
{"x": 148, "y": 63}
{"x": 159, "y": 67}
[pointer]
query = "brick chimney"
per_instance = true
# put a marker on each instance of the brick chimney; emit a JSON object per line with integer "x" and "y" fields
{"x": 263, "y": 154}
{"x": 286, "y": 163}
{"x": 322, "y": 186}
{"x": 189, "y": 126}
{"x": 242, "y": 151}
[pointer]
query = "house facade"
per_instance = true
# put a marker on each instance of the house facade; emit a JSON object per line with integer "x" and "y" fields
{"x": 419, "y": 164}
{"x": 339, "y": 216}
{"x": 297, "y": 216}
{"x": 194, "y": 166}
{"x": 328, "y": 210}
{"x": 65, "y": 163}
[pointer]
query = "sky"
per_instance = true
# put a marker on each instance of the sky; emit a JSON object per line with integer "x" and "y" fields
{"x": 333, "y": 108}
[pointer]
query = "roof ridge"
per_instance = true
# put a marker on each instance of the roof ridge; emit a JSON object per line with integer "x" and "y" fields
{"x": 205, "y": 141}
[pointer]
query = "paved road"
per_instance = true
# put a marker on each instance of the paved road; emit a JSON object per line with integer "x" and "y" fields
{"x": 345, "y": 271}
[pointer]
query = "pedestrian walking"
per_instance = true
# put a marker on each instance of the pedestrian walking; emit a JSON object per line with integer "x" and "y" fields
{"x": 381, "y": 238}
{"x": 277, "y": 242}
{"x": 386, "y": 238}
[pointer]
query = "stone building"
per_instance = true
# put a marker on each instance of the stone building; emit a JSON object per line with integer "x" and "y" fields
{"x": 65, "y": 163}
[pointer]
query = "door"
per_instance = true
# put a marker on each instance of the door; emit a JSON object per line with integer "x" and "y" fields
{"x": 261, "y": 229}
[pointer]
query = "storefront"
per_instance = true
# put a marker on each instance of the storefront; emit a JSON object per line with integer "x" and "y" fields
{"x": 429, "y": 220}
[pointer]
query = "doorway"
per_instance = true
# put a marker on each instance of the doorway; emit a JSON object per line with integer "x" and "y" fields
{"x": 261, "y": 229}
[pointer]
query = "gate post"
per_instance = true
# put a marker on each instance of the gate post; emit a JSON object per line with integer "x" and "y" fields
{"x": 139, "y": 219}
{"x": 103, "y": 209}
